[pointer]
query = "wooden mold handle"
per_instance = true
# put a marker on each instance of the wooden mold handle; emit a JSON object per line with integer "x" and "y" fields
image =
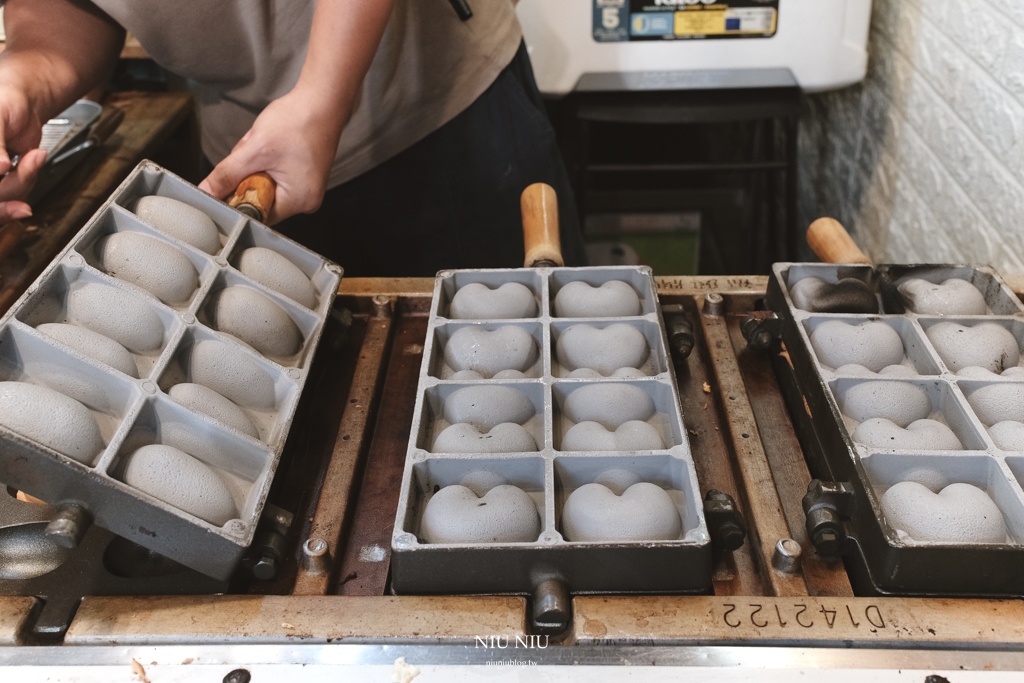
{"x": 254, "y": 196}
{"x": 829, "y": 240}
{"x": 539, "y": 204}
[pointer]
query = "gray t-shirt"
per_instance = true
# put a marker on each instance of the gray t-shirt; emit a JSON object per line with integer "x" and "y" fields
{"x": 243, "y": 54}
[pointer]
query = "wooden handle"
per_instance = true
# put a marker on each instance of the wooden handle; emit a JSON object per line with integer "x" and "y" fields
{"x": 830, "y": 241}
{"x": 539, "y": 204}
{"x": 255, "y": 196}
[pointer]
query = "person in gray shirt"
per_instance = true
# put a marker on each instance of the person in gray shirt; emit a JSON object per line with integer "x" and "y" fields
{"x": 399, "y": 135}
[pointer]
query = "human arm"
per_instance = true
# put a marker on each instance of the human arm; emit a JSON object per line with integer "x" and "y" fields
{"x": 296, "y": 136}
{"x": 56, "y": 51}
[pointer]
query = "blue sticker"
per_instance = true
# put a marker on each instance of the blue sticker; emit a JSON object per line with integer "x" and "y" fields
{"x": 651, "y": 24}
{"x": 732, "y": 24}
{"x": 611, "y": 21}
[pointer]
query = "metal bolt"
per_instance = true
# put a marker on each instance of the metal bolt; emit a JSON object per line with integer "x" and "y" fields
{"x": 238, "y": 676}
{"x": 552, "y": 609}
{"x": 827, "y": 542}
{"x": 714, "y": 304}
{"x": 404, "y": 541}
{"x": 68, "y": 527}
{"x": 382, "y": 306}
{"x": 265, "y": 568}
{"x": 316, "y": 556}
{"x": 787, "y": 556}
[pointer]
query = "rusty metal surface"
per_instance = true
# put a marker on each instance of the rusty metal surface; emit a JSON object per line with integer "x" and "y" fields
{"x": 14, "y": 612}
{"x": 766, "y": 522}
{"x": 782, "y": 448}
{"x": 735, "y": 573}
{"x": 292, "y": 619}
{"x": 352, "y": 437}
{"x": 821, "y": 621}
{"x": 364, "y": 567}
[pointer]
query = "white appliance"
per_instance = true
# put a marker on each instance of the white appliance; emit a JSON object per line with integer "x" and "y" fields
{"x": 588, "y": 45}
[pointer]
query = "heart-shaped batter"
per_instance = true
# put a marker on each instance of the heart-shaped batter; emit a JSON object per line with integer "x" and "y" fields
{"x": 986, "y": 345}
{"x": 609, "y": 404}
{"x": 998, "y": 402}
{"x": 621, "y": 373}
{"x": 505, "y": 514}
{"x": 959, "y": 513}
{"x": 477, "y": 301}
{"x": 488, "y": 353}
{"x": 854, "y": 370}
{"x": 630, "y": 436}
{"x": 487, "y": 406}
{"x": 849, "y": 295}
{"x": 506, "y": 437}
{"x": 614, "y": 347}
{"x": 644, "y": 512}
{"x": 872, "y": 344}
{"x": 952, "y": 297}
{"x": 1008, "y": 435}
{"x": 613, "y": 299}
{"x": 926, "y": 435}
{"x": 900, "y": 402}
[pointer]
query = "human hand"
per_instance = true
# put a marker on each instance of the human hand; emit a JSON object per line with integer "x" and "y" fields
{"x": 20, "y": 126}
{"x": 16, "y": 185}
{"x": 293, "y": 144}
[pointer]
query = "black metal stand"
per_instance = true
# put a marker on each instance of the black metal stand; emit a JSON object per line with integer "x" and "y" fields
{"x": 754, "y": 152}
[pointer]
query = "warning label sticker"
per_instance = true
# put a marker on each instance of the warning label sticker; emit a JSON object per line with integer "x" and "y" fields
{"x": 622, "y": 20}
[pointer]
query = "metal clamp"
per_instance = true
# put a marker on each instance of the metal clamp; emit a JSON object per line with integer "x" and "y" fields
{"x": 725, "y": 523}
{"x": 760, "y": 332}
{"x": 268, "y": 548}
{"x": 826, "y": 504}
{"x": 680, "y": 330}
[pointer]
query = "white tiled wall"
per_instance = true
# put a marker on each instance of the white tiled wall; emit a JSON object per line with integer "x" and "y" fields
{"x": 924, "y": 161}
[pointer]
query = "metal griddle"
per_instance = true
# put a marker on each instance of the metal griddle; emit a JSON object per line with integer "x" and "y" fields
{"x": 844, "y": 516}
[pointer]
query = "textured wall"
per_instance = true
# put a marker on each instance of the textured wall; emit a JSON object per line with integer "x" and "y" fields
{"x": 924, "y": 161}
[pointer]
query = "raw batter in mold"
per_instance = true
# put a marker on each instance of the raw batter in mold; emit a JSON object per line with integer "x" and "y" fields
{"x": 181, "y": 221}
{"x": 477, "y": 301}
{"x": 613, "y": 299}
{"x": 604, "y": 350}
{"x": 507, "y": 437}
{"x": 455, "y": 514}
{"x": 178, "y": 479}
{"x": 629, "y": 436}
{"x": 872, "y": 344}
{"x": 926, "y": 435}
{"x": 952, "y": 297}
{"x": 899, "y": 402}
{"x": 644, "y": 512}
{"x": 488, "y": 353}
{"x": 848, "y": 295}
{"x": 959, "y": 513}
{"x": 986, "y": 345}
